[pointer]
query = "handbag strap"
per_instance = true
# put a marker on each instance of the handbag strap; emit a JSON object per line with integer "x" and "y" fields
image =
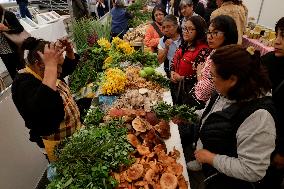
{"x": 3, "y": 16}
{"x": 278, "y": 87}
{"x": 157, "y": 29}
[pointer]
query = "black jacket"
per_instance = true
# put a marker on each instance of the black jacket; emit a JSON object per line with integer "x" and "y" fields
{"x": 218, "y": 135}
{"x": 275, "y": 67}
{"x": 41, "y": 107}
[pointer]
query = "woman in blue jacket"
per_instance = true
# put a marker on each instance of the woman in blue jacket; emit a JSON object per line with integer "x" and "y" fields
{"x": 120, "y": 17}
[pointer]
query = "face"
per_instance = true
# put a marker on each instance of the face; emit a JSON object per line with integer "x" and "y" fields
{"x": 186, "y": 10}
{"x": 219, "y": 2}
{"x": 279, "y": 44}
{"x": 169, "y": 29}
{"x": 189, "y": 31}
{"x": 215, "y": 37}
{"x": 159, "y": 16}
{"x": 221, "y": 85}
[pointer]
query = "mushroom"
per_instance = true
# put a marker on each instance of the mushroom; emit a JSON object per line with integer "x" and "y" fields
{"x": 168, "y": 181}
{"x": 138, "y": 125}
{"x": 133, "y": 140}
{"x": 135, "y": 172}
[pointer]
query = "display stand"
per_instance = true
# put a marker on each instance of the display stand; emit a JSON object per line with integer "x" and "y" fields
{"x": 46, "y": 18}
{"x": 28, "y": 24}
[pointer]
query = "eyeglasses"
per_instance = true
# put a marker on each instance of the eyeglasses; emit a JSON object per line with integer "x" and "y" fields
{"x": 188, "y": 30}
{"x": 214, "y": 33}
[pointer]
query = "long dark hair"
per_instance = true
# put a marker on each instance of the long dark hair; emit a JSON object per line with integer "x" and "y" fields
{"x": 34, "y": 45}
{"x": 227, "y": 25}
{"x": 201, "y": 27}
{"x": 161, "y": 8}
{"x": 252, "y": 78}
{"x": 280, "y": 25}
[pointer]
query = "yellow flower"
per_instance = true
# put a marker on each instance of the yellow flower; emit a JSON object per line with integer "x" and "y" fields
{"x": 104, "y": 43}
{"x": 116, "y": 40}
{"x": 115, "y": 81}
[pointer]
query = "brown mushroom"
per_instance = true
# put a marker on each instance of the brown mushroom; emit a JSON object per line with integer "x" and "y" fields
{"x": 138, "y": 125}
{"x": 133, "y": 140}
{"x": 168, "y": 181}
{"x": 135, "y": 172}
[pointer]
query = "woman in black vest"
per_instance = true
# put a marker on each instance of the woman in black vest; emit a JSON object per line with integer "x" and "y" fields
{"x": 237, "y": 128}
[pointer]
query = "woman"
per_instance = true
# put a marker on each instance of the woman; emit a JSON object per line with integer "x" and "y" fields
{"x": 274, "y": 62}
{"x": 8, "y": 50}
{"x": 222, "y": 31}
{"x": 101, "y": 8}
{"x": 120, "y": 17}
{"x": 45, "y": 102}
{"x": 233, "y": 126}
{"x": 169, "y": 43}
{"x": 154, "y": 30}
{"x": 80, "y": 9}
{"x": 186, "y": 11}
{"x": 192, "y": 52}
{"x": 234, "y": 9}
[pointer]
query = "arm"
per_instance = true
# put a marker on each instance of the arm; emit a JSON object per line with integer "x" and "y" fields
{"x": 40, "y": 106}
{"x": 69, "y": 66}
{"x": 128, "y": 15}
{"x": 162, "y": 51}
{"x": 14, "y": 24}
{"x": 253, "y": 151}
{"x": 149, "y": 40}
{"x": 204, "y": 86}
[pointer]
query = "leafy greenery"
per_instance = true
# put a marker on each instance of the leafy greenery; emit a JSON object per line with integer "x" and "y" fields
{"x": 87, "y": 71}
{"x": 94, "y": 117}
{"x": 166, "y": 111}
{"x": 160, "y": 79}
{"x": 145, "y": 58}
{"x": 87, "y": 159}
{"x": 86, "y": 31}
{"x": 140, "y": 16}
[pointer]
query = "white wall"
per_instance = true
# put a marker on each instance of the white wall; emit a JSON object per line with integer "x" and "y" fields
{"x": 253, "y": 7}
{"x": 271, "y": 12}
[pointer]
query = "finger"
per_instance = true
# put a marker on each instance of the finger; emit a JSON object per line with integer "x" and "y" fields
{"x": 40, "y": 54}
{"x": 60, "y": 52}
{"x": 46, "y": 48}
{"x": 52, "y": 46}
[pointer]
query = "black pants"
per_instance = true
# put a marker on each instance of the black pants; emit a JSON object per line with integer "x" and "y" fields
{"x": 13, "y": 63}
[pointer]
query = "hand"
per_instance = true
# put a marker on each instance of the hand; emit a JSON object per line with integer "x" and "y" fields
{"x": 199, "y": 71}
{"x": 278, "y": 161}
{"x": 199, "y": 68}
{"x": 52, "y": 55}
{"x": 204, "y": 156}
{"x": 3, "y": 27}
{"x": 168, "y": 42}
{"x": 64, "y": 42}
{"x": 173, "y": 77}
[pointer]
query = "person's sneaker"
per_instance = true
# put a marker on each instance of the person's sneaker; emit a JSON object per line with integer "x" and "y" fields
{"x": 194, "y": 166}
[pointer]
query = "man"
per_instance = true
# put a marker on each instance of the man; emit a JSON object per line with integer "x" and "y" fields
{"x": 24, "y": 11}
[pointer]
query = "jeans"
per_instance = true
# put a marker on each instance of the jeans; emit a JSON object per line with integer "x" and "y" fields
{"x": 24, "y": 10}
